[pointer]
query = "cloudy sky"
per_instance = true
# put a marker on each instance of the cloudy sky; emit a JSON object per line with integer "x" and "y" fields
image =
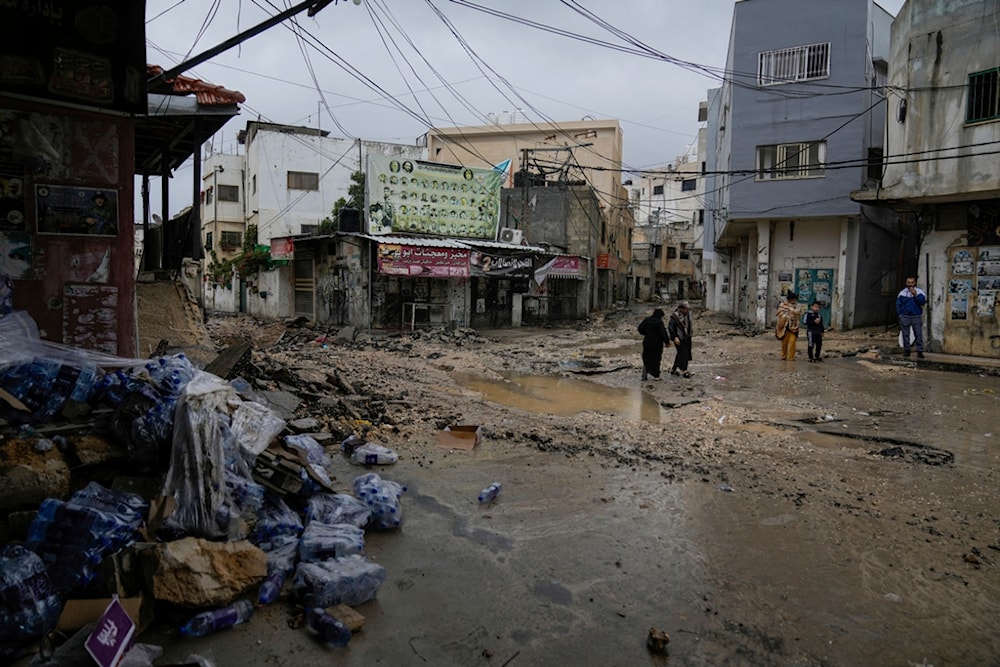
{"x": 386, "y": 70}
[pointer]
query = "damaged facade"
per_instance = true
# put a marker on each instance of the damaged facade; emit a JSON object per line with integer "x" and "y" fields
{"x": 943, "y": 121}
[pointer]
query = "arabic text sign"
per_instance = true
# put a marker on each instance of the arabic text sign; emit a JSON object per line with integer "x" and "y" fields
{"x": 418, "y": 261}
{"x": 413, "y": 196}
{"x": 515, "y": 266}
{"x": 112, "y": 636}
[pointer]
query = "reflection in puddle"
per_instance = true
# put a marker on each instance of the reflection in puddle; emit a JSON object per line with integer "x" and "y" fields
{"x": 545, "y": 394}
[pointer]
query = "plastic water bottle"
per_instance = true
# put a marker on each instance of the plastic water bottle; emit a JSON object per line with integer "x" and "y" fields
{"x": 331, "y": 629}
{"x": 271, "y": 588}
{"x": 490, "y": 492}
{"x": 208, "y": 622}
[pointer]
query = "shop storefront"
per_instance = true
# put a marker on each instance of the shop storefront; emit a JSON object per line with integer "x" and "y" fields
{"x": 419, "y": 282}
{"x": 498, "y": 286}
{"x": 562, "y": 285}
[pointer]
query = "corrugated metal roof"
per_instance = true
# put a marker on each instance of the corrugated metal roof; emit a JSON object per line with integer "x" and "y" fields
{"x": 423, "y": 241}
{"x": 505, "y": 246}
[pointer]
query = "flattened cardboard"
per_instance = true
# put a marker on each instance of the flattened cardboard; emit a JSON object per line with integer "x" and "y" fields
{"x": 459, "y": 436}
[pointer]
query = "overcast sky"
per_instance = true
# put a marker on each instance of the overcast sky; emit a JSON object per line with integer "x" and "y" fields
{"x": 386, "y": 70}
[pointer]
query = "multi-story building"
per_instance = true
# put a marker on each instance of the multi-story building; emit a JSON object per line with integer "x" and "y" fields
{"x": 941, "y": 164}
{"x": 667, "y": 244}
{"x": 569, "y": 154}
{"x": 792, "y": 131}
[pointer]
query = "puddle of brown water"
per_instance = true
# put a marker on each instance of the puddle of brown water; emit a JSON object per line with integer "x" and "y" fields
{"x": 553, "y": 395}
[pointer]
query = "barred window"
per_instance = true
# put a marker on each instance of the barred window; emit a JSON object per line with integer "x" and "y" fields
{"x": 785, "y": 161}
{"x": 230, "y": 240}
{"x": 799, "y": 63}
{"x": 984, "y": 96}
{"x": 689, "y": 184}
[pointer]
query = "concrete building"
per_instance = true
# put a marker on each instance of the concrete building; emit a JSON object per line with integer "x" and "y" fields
{"x": 668, "y": 239}
{"x": 793, "y": 129}
{"x": 942, "y": 133}
{"x": 577, "y": 153}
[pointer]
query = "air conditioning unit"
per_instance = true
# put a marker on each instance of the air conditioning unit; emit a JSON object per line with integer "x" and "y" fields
{"x": 509, "y": 235}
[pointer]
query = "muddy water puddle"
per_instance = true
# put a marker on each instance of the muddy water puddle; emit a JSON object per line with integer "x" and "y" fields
{"x": 561, "y": 396}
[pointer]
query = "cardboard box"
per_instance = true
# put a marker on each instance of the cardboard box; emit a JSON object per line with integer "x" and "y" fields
{"x": 459, "y": 436}
{"x": 78, "y": 613}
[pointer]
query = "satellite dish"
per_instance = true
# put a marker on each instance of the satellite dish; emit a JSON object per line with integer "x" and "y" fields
{"x": 157, "y": 219}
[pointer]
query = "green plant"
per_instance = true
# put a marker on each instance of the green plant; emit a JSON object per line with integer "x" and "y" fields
{"x": 355, "y": 199}
{"x": 252, "y": 259}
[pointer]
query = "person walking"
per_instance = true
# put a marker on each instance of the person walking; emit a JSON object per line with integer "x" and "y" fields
{"x": 654, "y": 339}
{"x": 787, "y": 328}
{"x": 814, "y": 332}
{"x": 679, "y": 330}
{"x": 910, "y": 307}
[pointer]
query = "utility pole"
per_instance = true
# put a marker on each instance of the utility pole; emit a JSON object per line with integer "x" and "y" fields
{"x": 314, "y": 6}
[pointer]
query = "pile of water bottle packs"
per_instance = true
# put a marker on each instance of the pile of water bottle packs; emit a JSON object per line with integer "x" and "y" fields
{"x": 66, "y": 541}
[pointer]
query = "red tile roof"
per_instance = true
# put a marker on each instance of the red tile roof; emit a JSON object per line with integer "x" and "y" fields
{"x": 207, "y": 94}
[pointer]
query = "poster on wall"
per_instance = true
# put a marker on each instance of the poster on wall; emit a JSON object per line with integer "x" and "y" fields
{"x": 990, "y": 254}
{"x": 11, "y": 202}
{"x": 987, "y": 283}
{"x": 414, "y": 196}
{"x": 984, "y": 223}
{"x": 15, "y": 255}
{"x": 784, "y": 282}
{"x": 985, "y": 304}
{"x": 991, "y": 268}
{"x": 959, "y": 307}
{"x": 961, "y": 263}
{"x": 63, "y": 209}
{"x": 960, "y": 286}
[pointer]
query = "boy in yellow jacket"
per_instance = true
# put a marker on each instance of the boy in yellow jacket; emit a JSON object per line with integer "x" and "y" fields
{"x": 787, "y": 329}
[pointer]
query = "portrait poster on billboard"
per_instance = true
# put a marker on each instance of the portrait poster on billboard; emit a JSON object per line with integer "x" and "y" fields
{"x": 417, "y": 197}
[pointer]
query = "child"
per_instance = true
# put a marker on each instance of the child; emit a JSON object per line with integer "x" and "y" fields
{"x": 814, "y": 332}
{"x": 787, "y": 329}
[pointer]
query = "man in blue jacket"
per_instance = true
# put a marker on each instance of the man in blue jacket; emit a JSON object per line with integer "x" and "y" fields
{"x": 910, "y": 308}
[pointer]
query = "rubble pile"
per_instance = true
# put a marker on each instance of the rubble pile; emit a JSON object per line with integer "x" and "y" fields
{"x": 154, "y": 481}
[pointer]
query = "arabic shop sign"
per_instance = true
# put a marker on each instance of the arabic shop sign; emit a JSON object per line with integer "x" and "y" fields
{"x": 395, "y": 259}
{"x": 413, "y": 196}
{"x": 511, "y": 266}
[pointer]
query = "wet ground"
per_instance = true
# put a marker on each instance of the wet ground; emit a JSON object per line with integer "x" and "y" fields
{"x": 761, "y": 513}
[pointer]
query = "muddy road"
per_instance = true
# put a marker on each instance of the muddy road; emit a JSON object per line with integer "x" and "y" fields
{"x": 762, "y": 512}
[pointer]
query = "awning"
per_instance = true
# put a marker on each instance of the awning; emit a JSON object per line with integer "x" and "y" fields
{"x": 562, "y": 266}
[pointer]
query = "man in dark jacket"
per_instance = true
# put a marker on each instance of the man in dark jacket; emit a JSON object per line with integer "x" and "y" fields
{"x": 910, "y": 307}
{"x": 654, "y": 339}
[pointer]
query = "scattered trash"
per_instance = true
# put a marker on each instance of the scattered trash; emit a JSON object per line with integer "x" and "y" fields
{"x": 720, "y": 378}
{"x": 725, "y": 487}
{"x": 892, "y": 597}
{"x": 208, "y": 622}
{"x": 490, "y": 492}
{"x": 382, "y": 497}
{"x": 722, "y": 420}
{"x": 828, "y": 418}
{"x": 657, "y": 641}
{"x": 351, "y": 580}
{"x": 370, "y": 454}
{"x": 321, "y": 541}
{"x": 333, "y": 508}
{"x": 29, "y": 606}
{"x": 271, "y": 588}
{"x": 331, "y": 629}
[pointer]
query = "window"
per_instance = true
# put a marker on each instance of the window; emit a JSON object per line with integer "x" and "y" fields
{"x": 880, "y": 78}
{"x": 657, "y": 251}
{"x": 303, "y": 180}
{"x": 671, "y": 252}
{"x": 209, "y": 194}
{"x": 253, "y": 184}
{"x": 685, "y": 253}
{"x": 783, "y": 161}
{"x": 208, "y": 241}
{"x": 657, "y": 189}
{"x": 309, "y": 229}
{"x": 689, "y": 184}
{"x": 229, "y": 193}
{"x": 799, "y": 63}
{"x": 984, "y": 96}
{"x": 230, "y": 240}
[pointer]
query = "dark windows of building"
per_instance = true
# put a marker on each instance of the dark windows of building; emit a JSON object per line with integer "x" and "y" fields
{"x": 657, "y": 189}
{"x": 685, "y": 252}
{"x": 671, "y": 252}
{"x": 209, "y": 195}
{"x": 689, "y": 184}
{"x": 798, "y": 63}
{"x": 253, "y": 184}
{"x": 310, "y": 229}
{"x": 229, "y": 192}
{"x": 303, "y": 180}
{"x": 208, "y": 241}
{"x": 984, "y": 96}
{"x": 786, "y": 161}
{"x": 230, "y": 240}
{"x": 657, "y": 251}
